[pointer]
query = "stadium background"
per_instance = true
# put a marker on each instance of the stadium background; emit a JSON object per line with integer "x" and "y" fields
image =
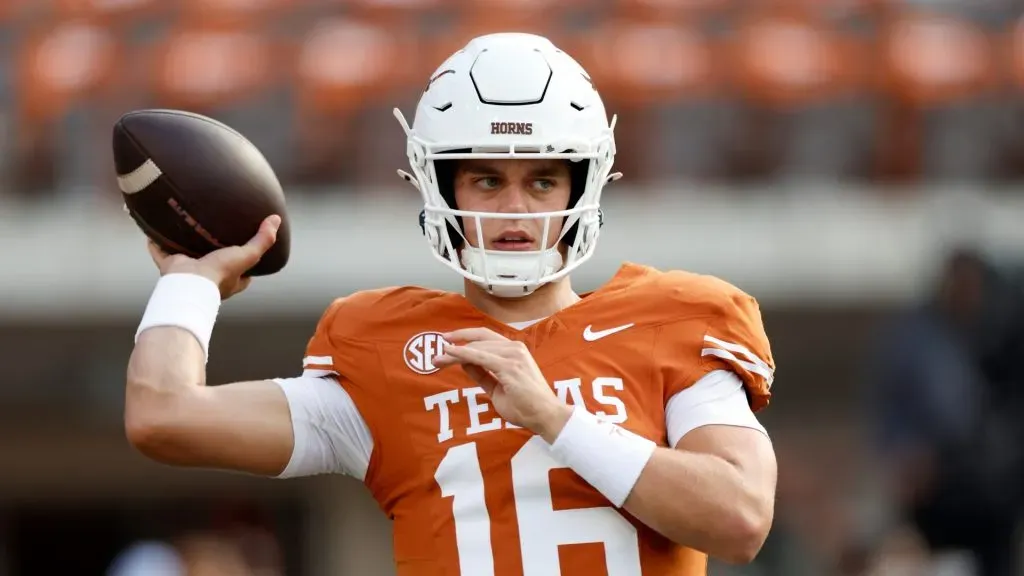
{"x": 831, "y": 157}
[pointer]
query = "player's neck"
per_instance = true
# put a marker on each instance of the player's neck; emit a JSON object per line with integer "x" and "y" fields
{"x": 543, "y": 302}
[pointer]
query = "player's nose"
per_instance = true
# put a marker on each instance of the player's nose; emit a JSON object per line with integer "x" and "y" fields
{"x": 512, "y": 200}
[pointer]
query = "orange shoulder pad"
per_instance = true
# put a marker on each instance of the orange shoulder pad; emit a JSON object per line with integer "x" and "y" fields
{"x": 708, "y": 324}
{"x": 356, "y": 324}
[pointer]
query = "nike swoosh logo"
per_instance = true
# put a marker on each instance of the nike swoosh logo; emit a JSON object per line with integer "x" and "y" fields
{"x": 589, "y": 335}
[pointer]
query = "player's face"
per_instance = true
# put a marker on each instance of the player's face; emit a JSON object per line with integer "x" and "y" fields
{"x": 510, "y": 187}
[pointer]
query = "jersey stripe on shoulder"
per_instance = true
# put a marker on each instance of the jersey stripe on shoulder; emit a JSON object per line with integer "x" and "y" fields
{"x": 317, "y": 373}
{"x": 318, "y": 363}
{"x": 728, "y": 351}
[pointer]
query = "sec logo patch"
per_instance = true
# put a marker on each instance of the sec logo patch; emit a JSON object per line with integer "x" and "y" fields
{"x": 421, "y": 350}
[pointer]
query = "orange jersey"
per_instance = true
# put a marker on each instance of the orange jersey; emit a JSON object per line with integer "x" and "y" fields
{"x": 472, "y": 495}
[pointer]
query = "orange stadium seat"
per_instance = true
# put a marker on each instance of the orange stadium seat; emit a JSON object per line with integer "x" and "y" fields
{"x": 807, "y": 83}
{"x": 119, "y": 12}
{"x": 546, "y": 17}
{"x": 640, "y": 63}
{"x": 665, "y": 79}
{"x": 345, "y": 63}
{"x": 821, "y": 8}
{"x": 62, "y": 64}
{"x": 232, "y": 73}
{"x": 11, "y": 9}
{"x": 500, "y": 7}
{"x": 940, "y": 71}
{"x": 790, "y": 57}
{"x": 65, "y": 88}
{"x": 390, "y": 10}
{"x": 348, "y": 74}
{"x": 202, "y": 68}
{"x": 934, "y": 59}
{"x": 234, "y": 12}
{"x": 672, "y": 9}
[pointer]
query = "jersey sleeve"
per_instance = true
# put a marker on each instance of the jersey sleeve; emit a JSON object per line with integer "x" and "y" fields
{"x": 716, "y": 399}
{"x": 331, "y": 436}
{"x": 329, "y": 424}
{"x": 727, "y": 335}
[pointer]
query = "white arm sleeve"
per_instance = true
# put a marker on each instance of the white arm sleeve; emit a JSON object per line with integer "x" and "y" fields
{"x": 331, "y": 435}
{"x": 717, "y": 398}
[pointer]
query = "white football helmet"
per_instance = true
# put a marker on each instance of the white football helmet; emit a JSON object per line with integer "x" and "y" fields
{"x": 506, "y": 96}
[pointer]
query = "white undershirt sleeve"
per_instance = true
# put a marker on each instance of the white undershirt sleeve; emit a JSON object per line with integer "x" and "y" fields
{"x": 331, "y": 436}
{"x": 717, "y": 398}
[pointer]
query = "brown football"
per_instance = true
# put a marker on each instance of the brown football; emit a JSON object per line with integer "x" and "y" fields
{"x": 194, "y": 185}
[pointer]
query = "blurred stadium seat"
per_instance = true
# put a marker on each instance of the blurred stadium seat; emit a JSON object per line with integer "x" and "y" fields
{"x": 808, "y": 80}
{"x": 477, "y": 17}
{"x": 205, "y": 69}
{"x": 661, "y": 75}
{"x": 477, "y": 9}
{"x": 714, "y": 90}
{"x": 15, "y": 12}
{"x": 227, "y": 69}
{"x": 643, "y": 63}
{"x": 402, "y": 12}
{"x": 343, "y": 67}
{"x": 232, "y": 13}
{"x": 62, "y": 65}
{"x": 110, "y": 12}
{"x": 943, "y": 71}
{"x": 672, "y": 10}
{"x": 936, "y": 60}
{"x": 66, "y": 77}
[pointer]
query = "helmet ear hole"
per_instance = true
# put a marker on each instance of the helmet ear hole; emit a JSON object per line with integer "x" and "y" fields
{"x": 445, "y": 172}
{"x": 578, "y": 174}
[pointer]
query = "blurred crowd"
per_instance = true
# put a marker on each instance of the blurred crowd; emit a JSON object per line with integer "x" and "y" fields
{"x": 945, "y": 400}
{"x": 191, "y": 554}
{"x": 733, "y": 91}
{"x": 233, "y": 543}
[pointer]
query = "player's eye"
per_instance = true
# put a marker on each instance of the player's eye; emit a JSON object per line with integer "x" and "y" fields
{"x": 544, "y": 184}
{"x": 487, "y": 182}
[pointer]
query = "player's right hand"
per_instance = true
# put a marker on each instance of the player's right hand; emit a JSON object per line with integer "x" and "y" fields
{"x": 225, "y": 266}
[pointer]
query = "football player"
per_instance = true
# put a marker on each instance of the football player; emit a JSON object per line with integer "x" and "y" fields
{"x": 518, "y": 428}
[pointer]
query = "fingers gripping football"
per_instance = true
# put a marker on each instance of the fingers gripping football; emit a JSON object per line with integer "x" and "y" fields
{"x": 507, "y": 372}
{"x": 226, "y": 266}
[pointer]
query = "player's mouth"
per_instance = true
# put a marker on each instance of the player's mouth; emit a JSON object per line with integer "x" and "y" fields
{"x": 513, "y": 240}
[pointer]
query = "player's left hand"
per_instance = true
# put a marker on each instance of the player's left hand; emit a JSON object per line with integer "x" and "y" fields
{"x": 509, "y": 375}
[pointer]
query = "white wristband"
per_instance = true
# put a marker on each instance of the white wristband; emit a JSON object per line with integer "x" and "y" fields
{"x": 187, "y": 301}
{"x": 609, "y": 457}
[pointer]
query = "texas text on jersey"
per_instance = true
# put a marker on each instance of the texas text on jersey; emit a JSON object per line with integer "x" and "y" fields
{"x": 471, "y": 494}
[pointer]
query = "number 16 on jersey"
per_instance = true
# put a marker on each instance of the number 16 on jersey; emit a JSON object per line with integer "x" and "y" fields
{"x": 542, "y": 529}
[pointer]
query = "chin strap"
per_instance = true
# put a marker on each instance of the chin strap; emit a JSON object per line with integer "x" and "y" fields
{"x": 518, "y": 266}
